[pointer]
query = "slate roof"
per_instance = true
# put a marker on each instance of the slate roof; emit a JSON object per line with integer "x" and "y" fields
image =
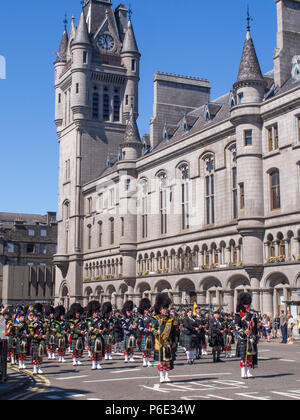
{"x": 249, "y": 67}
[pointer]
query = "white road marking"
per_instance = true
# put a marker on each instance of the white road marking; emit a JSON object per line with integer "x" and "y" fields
{"x": 289, "y": 394}
{"x": 196, "y": 397}
{"x": 286, "y": 360}
{"x": 72, "y": 377}
{"x": 155, "y": 377}
{"x": 157, "y": 388}
{"x": 236, "y": 384}
{"x": 127, "y": 370}
{"x": 219, "y": 398}
{"x": 252, "y": 395}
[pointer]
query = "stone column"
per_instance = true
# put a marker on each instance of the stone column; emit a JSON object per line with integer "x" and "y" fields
{"x": 229, "y": 300}
{"x": 177, "y": 298}
{"x": 256, "y": 300}
{"x": 227, "y": 256}
{"x": 201, "y": 298}
{"x": 268, "y": 302}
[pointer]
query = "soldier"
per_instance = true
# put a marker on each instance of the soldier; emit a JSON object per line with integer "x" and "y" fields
{"x": 106, "y": 313}
{"x": 145, "y": 329}
{"x": 97, "y": 328}
{"x": 129, "y": 325}
{"x": 228, "y": 335}
{"x": 12, "y": 340}
{"x": 50, "y": 325}
{"x": 164, "y": 329}
{"x": 246, "y": 325}
{"x": 61, "y": 328}
{"x": 38, "y": 334}
{"x": 78, "y": 329}
{"x": 180, "y": 326}
{"x": 216, "y": 336}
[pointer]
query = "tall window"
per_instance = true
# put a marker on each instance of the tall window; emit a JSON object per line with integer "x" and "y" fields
{"x": 273, "y": 138}
{"x": 298, "y": 127}
{"x": 116, "y": 108}
{"x": 89, "y": 205}
{"x": 112, "y": 231}
{"x": 185, "y": 210}
{"x": 144, "y": 209}
{"x": 106, "y": 107}
{"x": 122, "y": 226}
{"x": 209, "y": 190}
{"x": 89, "y": 236}
{"x": 95, "y": 105}
{"x": 163, "y": 204}
{"x": 275, "y": 190}
{"x": 242, "y": 196}
{"x": 248, "y": 137}
{"x": 100, "y": 236}
{"x": 234, "y": 193}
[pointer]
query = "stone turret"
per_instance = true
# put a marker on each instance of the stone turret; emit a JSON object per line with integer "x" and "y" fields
{"x": 132, "y": 145}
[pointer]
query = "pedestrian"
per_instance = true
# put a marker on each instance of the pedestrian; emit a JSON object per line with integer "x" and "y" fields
{"x": 189, "y": 331}
{"x": 290, "y": 325}
{"x": 276, "y": 326}
{"x": 283, "y": 327}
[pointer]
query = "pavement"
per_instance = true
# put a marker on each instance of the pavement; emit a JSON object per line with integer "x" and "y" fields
{"x": 16, "y": 382}
{"x": 277, "y": 378}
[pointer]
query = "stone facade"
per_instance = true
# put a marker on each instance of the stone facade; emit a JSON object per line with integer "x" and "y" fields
{"x": 209, "y": 210}
{"x": 27, "y": 245}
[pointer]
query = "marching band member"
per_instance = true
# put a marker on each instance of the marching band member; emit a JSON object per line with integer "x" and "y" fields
{"x": 39, "y": 335}
{"x": 22, "y": 336}
{"x": 106, "y": 313}
{"x": 61, "y": 332}
{"x": 190, "y": 338}
{"x": 246, "y": 325}
{"x": 50, "y": 325}
{"x": 78, "y": 330}
{"x": 164, "y": 329}
{"x": 145, "y": 328}
{"x": 216, "y": 336}
{"x": 129, "y": 324}
{"x": 96, "y": 327}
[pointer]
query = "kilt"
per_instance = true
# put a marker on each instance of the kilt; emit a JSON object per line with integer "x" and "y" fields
{"x": 189, "y": 341}
{"x": 201, "y": 339}
{"x": 241, "y": 351}
{"x": 144, "y": 341}
{"x": 93, "y": 342}
{"x": 126, "y": 341}
{"x": 118, "y": 337}
{"x": 216, "y": 341}
{"x": 159, "y": 357}
{"x": 107, "y": 338}
{"x": 74, "y": 343}
{"x": 50, "y": 338}
{"x": 20, "y": 345}
{"x": 228, "y": 339}
{"x": 12, "y": 344}
{"x": 59, "y": 344}
{"x": 35, "y": 349}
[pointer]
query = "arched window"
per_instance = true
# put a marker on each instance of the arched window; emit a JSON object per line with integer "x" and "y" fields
{"x": 275, "y": 189}
{"x": 100, "y": 235}
{"x": 144, "y": 208}
{"x": 209, "y": 189}
{"x": 89, "y": 242}
{"x": 185, "y": 199}
{"x": 163, "y": 203}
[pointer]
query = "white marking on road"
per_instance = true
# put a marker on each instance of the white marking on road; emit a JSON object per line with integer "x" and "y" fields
{"x": 289, "y": 394}
{"x": 155, "y": 377}
{"x": 231, "y": 383}
{"x": 286, "y": 360}
{"x": 75, "y": 395}
{"x": 219, "y": 398}
{"x": 157, "y": 388}
{"x": 72, "y": 377}
{"x": 196, "y": 397}
{"x": 252, "y": 395}
{"x": 127, "y": 370}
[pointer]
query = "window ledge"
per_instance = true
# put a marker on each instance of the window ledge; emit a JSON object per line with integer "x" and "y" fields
{"x": 272, "y": 154}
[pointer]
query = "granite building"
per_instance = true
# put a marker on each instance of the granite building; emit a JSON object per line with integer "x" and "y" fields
{"x": 204, "y": 207}
{"x": 27, "y": 245}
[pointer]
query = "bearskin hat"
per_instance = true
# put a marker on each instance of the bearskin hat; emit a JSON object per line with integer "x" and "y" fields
{"x": 106, "y": 308}
{"x": 38, "y": 307}
{"x": 144, "y": 304}
{"x": 48, "y": 310}
{"x": 93, "y": 306}
{"x": 243, "y": 299}
{"x": 58, "y": 312}
{"x": 75, "y": 308}
{"x": 162, "y": 301}
{"x": 128, "y": 307}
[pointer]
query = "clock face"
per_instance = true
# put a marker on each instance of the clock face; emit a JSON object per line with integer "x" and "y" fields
{"x": 106, "y": 42}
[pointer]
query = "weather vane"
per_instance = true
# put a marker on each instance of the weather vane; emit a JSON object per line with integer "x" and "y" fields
{"x": 130, "y": 11}
{"x": 249, "y": 19}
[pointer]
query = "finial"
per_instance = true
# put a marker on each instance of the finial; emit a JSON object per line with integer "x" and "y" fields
{"x": 65, "y": 22}
{"x": 130, "y": 12}
{"x": 249, "y": 19}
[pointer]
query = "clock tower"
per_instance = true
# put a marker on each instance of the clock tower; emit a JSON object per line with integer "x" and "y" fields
{"x": 96, "y": 83}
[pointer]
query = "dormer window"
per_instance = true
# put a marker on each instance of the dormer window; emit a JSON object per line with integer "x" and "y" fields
{"x": 231, "y": 100}
{"x": 296, "y": 68}
{"x": 165, "y": 135}
{"x": 185, "y": 126}
{"x": 241, "y": 98}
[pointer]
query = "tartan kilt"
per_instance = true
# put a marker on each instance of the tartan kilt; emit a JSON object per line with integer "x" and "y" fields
{"x": 118, "y": 338}
{"x": 57, "y": 342}
{"x": 228, "y": 339}
{"x": 216, "y": 341}
{"x": 126, "y": 341}
{"x": 189, "y": 341}
{"x": 106, "y": 339}
{"x": 12, "y": 344}
{"x": 159, "y": 357}
{"x": 35, "y": 349}
{"x": 49, "y": 337}
{"x": 93, "y": 342}
{"x": 74, "y": 343}
{"x": 241, "y": 351}
{"x": 144, "y": 341}
{"x": 19, "y": 346}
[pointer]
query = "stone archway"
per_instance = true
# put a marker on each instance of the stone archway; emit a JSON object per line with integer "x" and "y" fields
{"x": 212, "y": 288}
{"x": 276, "y": 291}
{"x": 186, "y": 291}
{"x": 235, "y": 285}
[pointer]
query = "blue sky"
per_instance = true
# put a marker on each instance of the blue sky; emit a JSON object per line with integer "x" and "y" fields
{"x": 191, "y": 37}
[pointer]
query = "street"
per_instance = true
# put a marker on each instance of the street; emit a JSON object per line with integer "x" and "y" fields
{"x": 277, "y": 378}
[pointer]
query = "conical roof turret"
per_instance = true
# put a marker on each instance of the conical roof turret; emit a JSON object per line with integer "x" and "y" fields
{"x": 82, "y": 33}
{"x": 249, "y": 68}
{"x": 132, "y": 134}
{"x": 63, "y": 48}
{"x": 130, "y": 44}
